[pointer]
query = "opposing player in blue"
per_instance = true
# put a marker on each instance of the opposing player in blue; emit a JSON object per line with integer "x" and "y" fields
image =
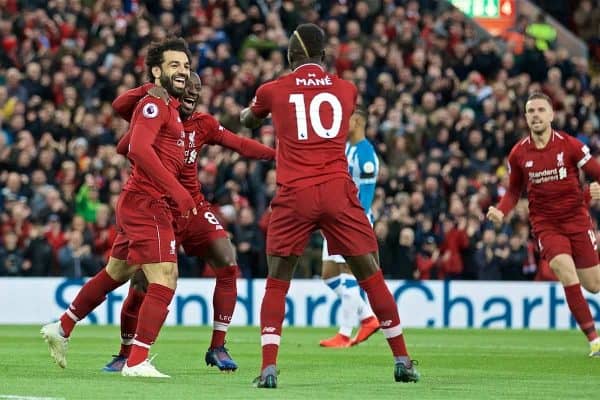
{"x": 363, "y": 166}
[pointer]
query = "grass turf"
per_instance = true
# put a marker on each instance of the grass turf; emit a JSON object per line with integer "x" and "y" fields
{"x": 464, "y": 364}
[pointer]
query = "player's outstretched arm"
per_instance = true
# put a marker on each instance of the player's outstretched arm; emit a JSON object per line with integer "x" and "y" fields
{"x": 253, "y": 116}
{"x": 246, "y": 147}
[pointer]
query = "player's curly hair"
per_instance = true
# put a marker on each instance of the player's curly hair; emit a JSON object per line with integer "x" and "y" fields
{"x": 155, "y": 54}
{"x": 306, "y": 42}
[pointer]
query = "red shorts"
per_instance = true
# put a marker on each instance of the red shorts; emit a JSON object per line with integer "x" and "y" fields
{"x": 197, "y": 232}
{"x": 120, "y": 247}
{"x": 147, "y": 224}
{"x": 332, "y": 207}
{"x": 581, "y": 246}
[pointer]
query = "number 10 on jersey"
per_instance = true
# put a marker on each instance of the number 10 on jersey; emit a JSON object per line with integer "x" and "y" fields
{"x": 314, "y": 117}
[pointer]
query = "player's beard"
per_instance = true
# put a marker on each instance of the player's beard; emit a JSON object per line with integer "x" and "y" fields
{"x": 167, "y": 82}
{"x": 539, "y": 131}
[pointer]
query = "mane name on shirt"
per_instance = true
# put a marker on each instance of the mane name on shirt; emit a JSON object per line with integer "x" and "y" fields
{"x": 314, "y": 81}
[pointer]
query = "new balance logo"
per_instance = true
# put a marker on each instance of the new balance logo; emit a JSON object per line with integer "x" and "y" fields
{"x": 271, "y": 329}
{"x": 386, "y": 323}
{"x": 529, "y": 164}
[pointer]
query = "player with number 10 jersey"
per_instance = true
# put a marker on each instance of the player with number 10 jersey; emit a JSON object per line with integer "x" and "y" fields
{"x": 311, "y": 111}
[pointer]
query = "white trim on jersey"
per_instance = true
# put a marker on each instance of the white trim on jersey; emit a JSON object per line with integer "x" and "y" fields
{"x": 307, "y": 64}
{"x": 584, "y": 160}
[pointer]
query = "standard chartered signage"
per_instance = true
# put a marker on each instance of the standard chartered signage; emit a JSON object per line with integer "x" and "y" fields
{"x": 454, "y": 304}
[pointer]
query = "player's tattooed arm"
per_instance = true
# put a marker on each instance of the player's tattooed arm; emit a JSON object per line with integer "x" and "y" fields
{"x": 249, "y": 120}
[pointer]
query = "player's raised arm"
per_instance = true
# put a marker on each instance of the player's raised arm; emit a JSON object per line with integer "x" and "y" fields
{"x": 513, "y": 192}
{"x": 585, "y": 161}
{"x": 253, "y": 116}
{"x": 145, "y": 127}
{"x": 124, "y": 105}
{"x": 244, "y": 146}
{"x": 123, "y": 145}
{"x": 368, "y": 164}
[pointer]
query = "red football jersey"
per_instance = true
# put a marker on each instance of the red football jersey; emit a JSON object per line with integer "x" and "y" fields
{"x": 157, "y": 149}
{"x": 551, "y": 177}
{"x": 201, "y": 129}
{"x": 310, "y": 109}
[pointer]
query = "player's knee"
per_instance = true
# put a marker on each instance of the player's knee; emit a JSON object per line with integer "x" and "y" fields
{"x": 226, "y": 259}
{"x": 119, "y": 270}
{"x": 592, "y": 286}
{"x": 161, "y": 273}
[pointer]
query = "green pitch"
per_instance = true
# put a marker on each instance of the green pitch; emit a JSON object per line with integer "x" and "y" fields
{"x": 454, "y": 364}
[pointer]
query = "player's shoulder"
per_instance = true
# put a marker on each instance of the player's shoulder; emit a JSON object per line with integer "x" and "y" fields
{"x": 522, "y": 145}
{"x": 365, "y": 146}
{"x": 519, "y": 149}
{"x": 151, "y": 107}
{"x": 566, "y": 138}
{"x": 205, "y": 121}
{"x": 270, "y": 85}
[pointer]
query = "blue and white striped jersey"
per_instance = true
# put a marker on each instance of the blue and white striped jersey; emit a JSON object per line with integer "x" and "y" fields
{"x": 363, "y": 166}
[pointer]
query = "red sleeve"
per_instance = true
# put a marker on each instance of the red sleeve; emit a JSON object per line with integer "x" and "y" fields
{"x": 123, "y": 145}
{"x": 246, "y": 147}
{"x": 583, "y": 158}
{"x": 149, "y": 117}
{"x": 587, "y": 196}
{"x": 515, "y": 185}
{"x": 261, "y": 104}
{"x": 592, "y": 169}
{"x": 125, "y": 103}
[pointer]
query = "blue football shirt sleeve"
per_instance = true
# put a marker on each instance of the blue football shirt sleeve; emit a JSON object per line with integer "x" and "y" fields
{"x": 369, "y": 168}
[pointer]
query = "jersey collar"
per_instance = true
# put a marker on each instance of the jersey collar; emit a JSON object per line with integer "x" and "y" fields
{"x": 174, "y": 102}
{"x": 309, "y": 65}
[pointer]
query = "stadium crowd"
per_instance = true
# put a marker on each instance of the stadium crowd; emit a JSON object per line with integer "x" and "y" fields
{"x": 445, "y": 107}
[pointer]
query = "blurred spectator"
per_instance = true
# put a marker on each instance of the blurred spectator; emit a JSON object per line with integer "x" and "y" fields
{"x": 76, "y": 258}
{"x": 38, "y": 253}
{"x": 404, "y": 265}
{"x": 543, "y": 33}
{"x": 12, "y": 262}
{"x": 489, "y": 256}
{"x": 428, "y": 260}
{"x": 249, "y": 243}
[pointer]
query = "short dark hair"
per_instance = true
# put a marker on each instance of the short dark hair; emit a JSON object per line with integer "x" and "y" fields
{"x": 307, "y": 41}
{"x": 155, "y": 53}
{"x": 539, "y": 95}
{"x": 362, "y": 111}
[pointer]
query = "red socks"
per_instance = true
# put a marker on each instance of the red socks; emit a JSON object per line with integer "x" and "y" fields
{"x": 581, "y": 311}
{"x": 129, "y": 318}
{"x": 90, "y": 296}
{"x": 386, "y": 310}
{"x": 272, "y": 312}
{"x": 152, "y": 315}
{"x": 224, "y": 299}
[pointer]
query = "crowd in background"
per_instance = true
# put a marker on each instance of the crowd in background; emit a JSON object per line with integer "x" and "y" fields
{"x": 444, "y": 108}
